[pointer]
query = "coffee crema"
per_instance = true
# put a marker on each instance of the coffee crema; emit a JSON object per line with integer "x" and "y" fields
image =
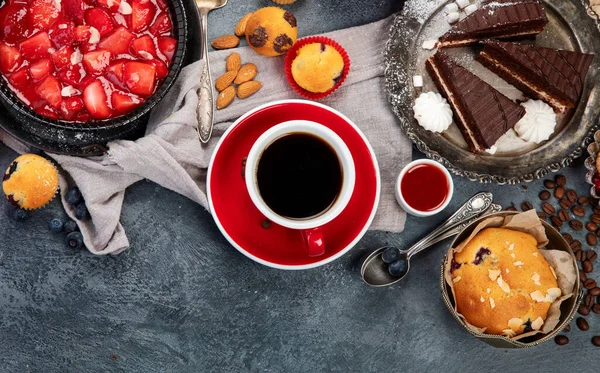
{"x": 299, "y": 176}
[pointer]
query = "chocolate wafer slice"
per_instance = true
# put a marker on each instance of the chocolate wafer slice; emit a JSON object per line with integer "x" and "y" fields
{"x": 497, "y": 19}
{"x": 483, "y": 114}
{"x": 555, "y": 76}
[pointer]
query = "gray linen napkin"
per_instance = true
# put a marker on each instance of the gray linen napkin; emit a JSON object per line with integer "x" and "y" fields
{"x": 170, "y": 153}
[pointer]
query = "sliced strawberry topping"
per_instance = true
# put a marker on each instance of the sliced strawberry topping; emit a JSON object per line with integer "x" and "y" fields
{"x": 49, "y": 89}
{"x": 73, "y": 9}
{"x": 10, "y": 58}
{"x": 14, "y": 23}
{"x": 114, "y": 74}
{"x": 43, "y": 14}
{"x": 70, "y": 75}
{"x": 62, "y": 33}
{"x": 83, "y": 33}
{"x": 20, "y": 78}
{"x": 124, "y": 103}
{"x": 95, "y": 100}
{"x": 117, "y": 42}
{"x": 161, "y": 68}
{"x": 167, "y": 46}
{"x": 161, "y": 25}
{"x": 112, "y": 5}
{"x": 40, "y": 69}
{"x": 162, "y": 4}
{"x": 71, "y": 106}
{"x": 139, "y": 77}
{"x": 99, "y": 19}
{"x": 142, "y": 14}
{"x": 89, "y": 79}
{"x": 36, "y": 47}
{"x": 144, "y": 47}
{"x": 97, "y": 61}
{"x": 62, "y": 57}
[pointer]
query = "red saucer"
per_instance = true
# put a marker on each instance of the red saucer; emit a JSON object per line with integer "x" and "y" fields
{"x": 240, "y": 221}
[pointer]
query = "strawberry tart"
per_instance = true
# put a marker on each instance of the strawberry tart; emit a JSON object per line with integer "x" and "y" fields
{"x": 85, "y": 60}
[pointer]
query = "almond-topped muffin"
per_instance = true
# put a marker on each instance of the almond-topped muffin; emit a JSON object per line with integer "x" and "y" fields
{"x": 502, "y": 283}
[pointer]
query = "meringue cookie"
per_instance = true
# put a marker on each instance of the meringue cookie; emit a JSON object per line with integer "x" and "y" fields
{"x": 538, "y": 123}
{"x": 433, "y": 112}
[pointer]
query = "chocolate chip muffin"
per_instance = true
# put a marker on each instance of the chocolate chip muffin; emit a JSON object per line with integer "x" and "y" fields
{"x": 30, "y": 182}
{"x": 317, "y": 67}
{"x": 502, "y": 283}
{"x": 271, "y": 31}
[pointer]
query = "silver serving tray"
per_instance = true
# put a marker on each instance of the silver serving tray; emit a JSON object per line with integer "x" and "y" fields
{"x": 572, "y": 26}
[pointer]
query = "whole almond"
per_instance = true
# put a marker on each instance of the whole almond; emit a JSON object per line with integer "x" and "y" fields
{"x": 225, "y": 97}
{"x": 249, "y": 88}
{"x": 225, "y": 80}
{"x": 226, "y": 42}
{"x": 240, "y": 28}
{"x": 233, "y": 62}
{"x": 246, "y": 73}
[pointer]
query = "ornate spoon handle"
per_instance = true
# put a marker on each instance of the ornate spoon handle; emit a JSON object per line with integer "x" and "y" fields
{"x": 472, "y": 208}
{"x": 205, "y": 108}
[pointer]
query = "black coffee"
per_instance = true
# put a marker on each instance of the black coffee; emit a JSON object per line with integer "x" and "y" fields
{"x": 299, "y": 176}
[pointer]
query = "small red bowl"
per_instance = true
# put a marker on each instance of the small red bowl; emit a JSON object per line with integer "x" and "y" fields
{"x": 293, "y": 53}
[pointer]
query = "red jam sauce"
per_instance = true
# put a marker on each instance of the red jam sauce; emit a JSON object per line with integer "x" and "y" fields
{"x": 85, "y": 60}
{"x": 425, "y": 187}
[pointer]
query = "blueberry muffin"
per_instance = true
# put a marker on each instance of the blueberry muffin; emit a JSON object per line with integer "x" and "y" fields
{"x": 502, "y": 283}
{"x": 271, "y": 31}
{"x": 317, "y": 67}
{"x": 30, "y": 182}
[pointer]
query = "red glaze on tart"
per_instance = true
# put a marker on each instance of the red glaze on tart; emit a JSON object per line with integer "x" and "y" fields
{"x": 85, "y": 60}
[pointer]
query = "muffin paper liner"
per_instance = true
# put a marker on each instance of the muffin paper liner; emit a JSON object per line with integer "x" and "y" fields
{"x": 292, "y": 54}
{"x": 561, "y": 261}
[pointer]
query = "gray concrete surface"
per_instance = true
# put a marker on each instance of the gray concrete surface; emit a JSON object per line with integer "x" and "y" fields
{"x": 183, "y": 300}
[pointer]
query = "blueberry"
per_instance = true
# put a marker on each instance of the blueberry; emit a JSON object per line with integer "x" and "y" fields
{"x": 56, "y": 225}
{"x": 74, "y": 196}
{"x": 389, "y": 255}
{"x": 398, "y": 268}
{"x": 20, "y": 215}
{"x": 70, "y": 226}
{"x": 81, "y": 212}
{"x": 75, "y": 240}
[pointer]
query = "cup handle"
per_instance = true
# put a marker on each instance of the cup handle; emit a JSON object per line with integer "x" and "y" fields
{"x": 313, "y": 239}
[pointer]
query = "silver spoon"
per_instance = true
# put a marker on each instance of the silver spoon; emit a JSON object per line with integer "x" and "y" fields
{"x": 206, "y": 105}
{"x": 375, "y": 272}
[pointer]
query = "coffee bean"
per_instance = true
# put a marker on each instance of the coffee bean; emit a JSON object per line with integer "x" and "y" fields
{"x": 511, "y": 208}
{"x": 591, "y": 255}
{"x": 575, "y": 246}
{"x": 526, "y": 206}
{"x": 561, "y": 340}
{"x": 576, "y": 225}
{"x": 563, "y": 215}
{"x": 561, "y": 180}
{"x": 582, "y": 324}
{"x": 565, "y": 203}
{"x": 559, "y": 192}
{"x": 591, "y": 239}
{"x": 591, "y": 227}
{"x": 582, "y": 276}
{"x": 596, "y": 308}
{"x": 571, "y": 195}
{"x": 587, "y": 266}
{"x": 583, "y": 310}
{"x": 595, "y": 218}
{"x": 567, "y": 328}
{"x": 597, "y": 210}
{"x": 545, "y": 195}
{"x": 589, "y": 284}
{"x": 578, "y": 255}
{"x": 595, "y": 291}
{"x": 548, "y": 208}
{"x": 556, "y": 222}
{"x": 589, "y": 300}
{"x": 578, "y": 211}
{"x": 568, "y": 238}
{"x": 583, "y": 201}
{"x": 549, "y": 184}
{"x": 542, "y": 215}
{"x": 596, "y": 340}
